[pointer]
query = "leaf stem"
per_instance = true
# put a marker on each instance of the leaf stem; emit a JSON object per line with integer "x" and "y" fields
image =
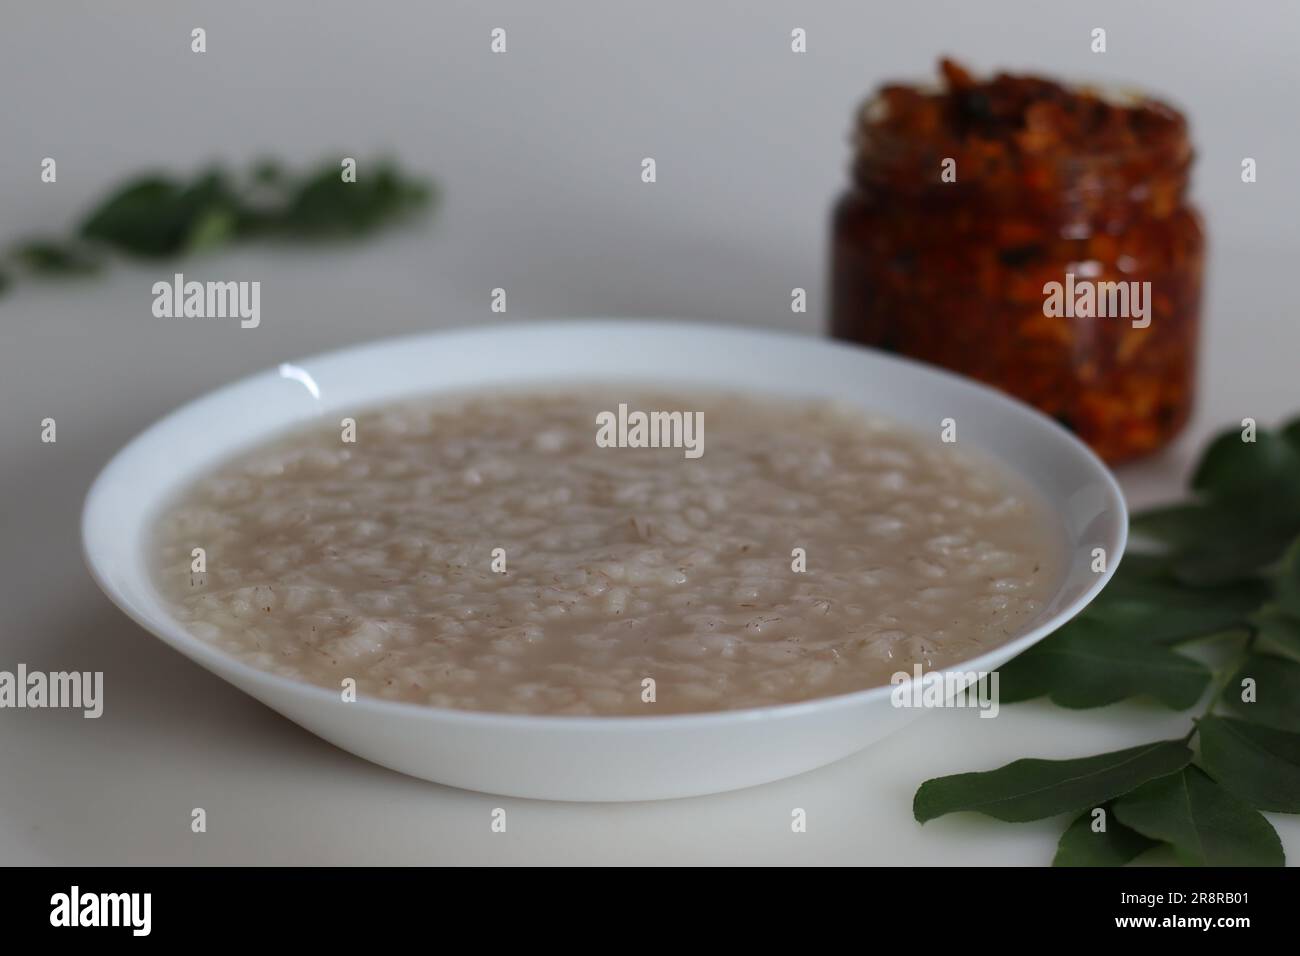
{"x": 1229, "y": 671}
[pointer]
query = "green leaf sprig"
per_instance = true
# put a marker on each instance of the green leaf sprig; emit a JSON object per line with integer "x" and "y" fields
{"x": 158, "y": 216}
{"x": 1223, "y": 567}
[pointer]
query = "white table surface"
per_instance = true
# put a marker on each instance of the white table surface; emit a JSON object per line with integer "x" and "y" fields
{"x": 539, "y": 155}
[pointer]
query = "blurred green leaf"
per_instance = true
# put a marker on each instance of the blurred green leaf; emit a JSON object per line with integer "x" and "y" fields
{"x": 1277, "y": 632}
{"x": 268, "y": 170}
{"x": 1172, "y": 614}
{"x": 50, "y": 258}
{"x": 158, "y": 217}
{"x": 1213, "y": 543}
{"x": 324, "y": 205}
{"x": 1259, "y": 764}
{"x": 1287, "y": 582}
{"x": 1291, "y": 432}
{"x": 1087, "y": 664}
{"x": 1234, "y": 470}
{"x": 1273, "y": 692}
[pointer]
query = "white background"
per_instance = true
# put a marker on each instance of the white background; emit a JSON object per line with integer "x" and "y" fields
{"x": 538, "y": 154}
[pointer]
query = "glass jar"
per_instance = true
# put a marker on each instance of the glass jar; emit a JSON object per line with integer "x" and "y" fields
{"x": 982, "y": 218}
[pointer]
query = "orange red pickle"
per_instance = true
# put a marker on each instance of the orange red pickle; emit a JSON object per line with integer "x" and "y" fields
{"x": 1049, "y": 180}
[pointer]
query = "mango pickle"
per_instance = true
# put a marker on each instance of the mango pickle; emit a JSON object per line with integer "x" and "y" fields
{"x": 981, "y": 215}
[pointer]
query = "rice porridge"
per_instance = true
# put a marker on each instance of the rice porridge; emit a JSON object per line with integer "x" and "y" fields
{"x": 485, "y": 552}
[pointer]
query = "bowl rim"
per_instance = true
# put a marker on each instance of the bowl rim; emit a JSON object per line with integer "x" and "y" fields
{"x": 172, "y": 633}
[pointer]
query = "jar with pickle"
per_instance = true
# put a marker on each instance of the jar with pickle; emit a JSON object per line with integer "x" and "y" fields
{"x": 1034, "y": 236}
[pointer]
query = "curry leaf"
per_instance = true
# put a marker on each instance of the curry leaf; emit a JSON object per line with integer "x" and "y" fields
{"x": 1288, "y": 582}
{"x": 1175, "y": 619}
{"x": 326, "y": 206}
{"x": 1217, "y": 543}
{"x": 1227, "y": 561}
{"x": 1277, "y": 632}
{"x": 1185, "y": 525}
{"x": 1088, "y": 665}
{"x": 1266, "y": 690}
{"x": 53, "y": 258}
{"x": 1291, "y": 432}
{"x": 1207, "y": 825}
{"x": 1145, "y": 602}
{"x": 1032, "y": 789}
{"x": 1114, "y": 845}
{"x": 1233, "y": 469}
{"x": 1259, "y": 764}
{"x": 1227, "y": 564}
{"x": 159, "y": 216}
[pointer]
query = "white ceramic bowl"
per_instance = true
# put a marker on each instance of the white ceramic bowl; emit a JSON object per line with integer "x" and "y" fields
{"x": 588, "y": 758}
